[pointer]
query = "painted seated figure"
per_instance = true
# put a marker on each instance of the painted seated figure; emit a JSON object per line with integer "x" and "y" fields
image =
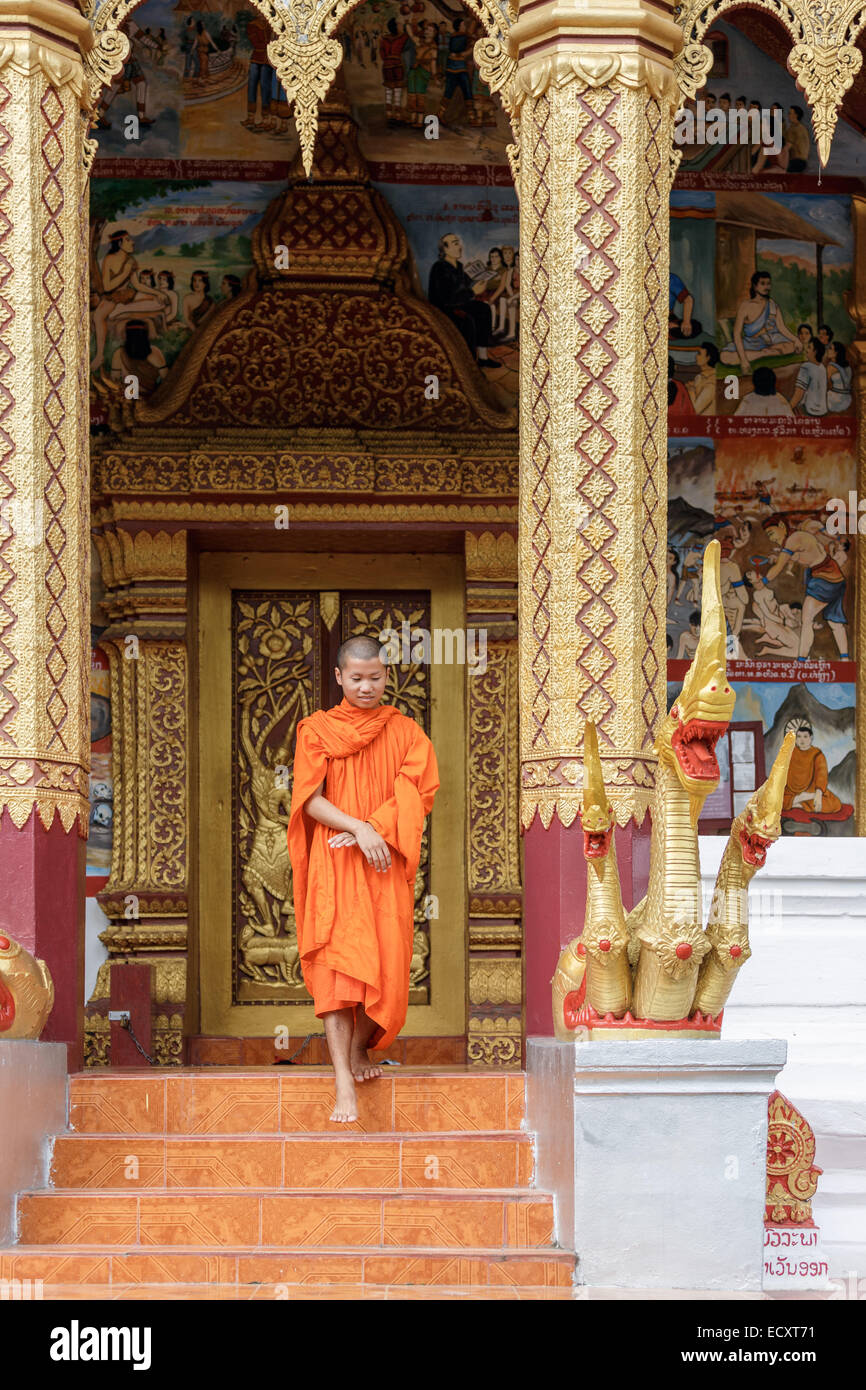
{"x": 806, "y": 788}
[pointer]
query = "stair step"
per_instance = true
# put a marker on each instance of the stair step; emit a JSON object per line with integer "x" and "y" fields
{"x": 369, "y": 1267}
{"x": 292, "y": 1100}
{"x": 395, "y": 1161}
{"x": 453, "y": 1219}
{"x": 291, "y": 1293}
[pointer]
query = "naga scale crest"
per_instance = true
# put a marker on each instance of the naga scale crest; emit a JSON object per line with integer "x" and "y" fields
{"x": 655, "y": 971}
{"x": 26, "y": 991}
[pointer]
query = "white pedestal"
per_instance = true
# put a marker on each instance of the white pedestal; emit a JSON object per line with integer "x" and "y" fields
{"x": 813, "y": 893}
{"x": 32, "y": 1109}
{"x": 656, "y": 1152}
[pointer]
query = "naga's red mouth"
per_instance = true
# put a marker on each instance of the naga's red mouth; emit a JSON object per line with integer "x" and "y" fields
{"x": 596, "y": 843}
{"x": 694, "y": 745}
{"x": 754, "y": 848}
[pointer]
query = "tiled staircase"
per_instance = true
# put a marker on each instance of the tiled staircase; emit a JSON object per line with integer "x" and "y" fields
{"x": 233, "y": 1184}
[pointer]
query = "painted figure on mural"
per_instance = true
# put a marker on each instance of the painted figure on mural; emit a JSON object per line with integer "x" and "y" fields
{"x": 397, "y": 53}
{"x": 759, "y": 328}
{"x": 138, "y": 357}
{"x": 131, "y": 78}
{"x": 810, "y": 387}
{"x": 121, "y": 293}
{"x": 776, "y": 626}
{"x": 260, "y": 78}
{"x": 509, "y": 304}
{"x": 825, "y": 581}
{"x": 839, "y": 397}
{"x": 199, "y": 302}
{"x": 702, "y": 388}
{"x": 421, "y": 72}
{"x": 806, "y": 787}
{"x": 457, "y": 64}
{"x": 764, "y": 399}
{"x": 796, "y": 143}
{"x": 365, "y": 777}
{"x": 681, "y": 325}
{"x": 451, "y": 291}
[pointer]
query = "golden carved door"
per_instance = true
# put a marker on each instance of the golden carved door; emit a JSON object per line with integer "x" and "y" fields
{"x": 269, "y": 629}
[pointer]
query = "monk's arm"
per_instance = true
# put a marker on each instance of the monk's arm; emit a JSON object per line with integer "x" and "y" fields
{"x": 371, "y": 844}
{"x": 421, "y": 767}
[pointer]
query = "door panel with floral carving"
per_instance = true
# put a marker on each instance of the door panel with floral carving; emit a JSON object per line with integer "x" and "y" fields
{"x": 269, "y": 626}
{"x": 283, "y": 654}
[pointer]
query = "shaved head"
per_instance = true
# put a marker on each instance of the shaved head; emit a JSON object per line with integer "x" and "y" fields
{"x": 361, "y": 648}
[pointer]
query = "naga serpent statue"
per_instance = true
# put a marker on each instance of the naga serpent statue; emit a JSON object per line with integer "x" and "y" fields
{"x": 26, "y": 991}
{"x": 655, "y": 972}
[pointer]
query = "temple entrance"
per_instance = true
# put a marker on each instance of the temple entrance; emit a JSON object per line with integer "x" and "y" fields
{"x": 268, "y": 633}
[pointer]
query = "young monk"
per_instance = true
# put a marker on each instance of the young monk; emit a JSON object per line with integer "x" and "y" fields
{"x": 365, "y": 776}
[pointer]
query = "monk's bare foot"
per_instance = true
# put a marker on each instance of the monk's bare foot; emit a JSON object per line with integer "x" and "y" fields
{"x": 362, "y": 1067}
{"x": 346, "y": 1104}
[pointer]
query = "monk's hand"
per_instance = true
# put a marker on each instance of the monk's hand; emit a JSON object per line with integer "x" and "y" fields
{"x": 374, "y": 849}
{"x": 345, "y": 837}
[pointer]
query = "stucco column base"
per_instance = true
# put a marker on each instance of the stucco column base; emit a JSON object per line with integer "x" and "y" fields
{"x": 32, "y": 1110}
{"x": 656, "y": 1152}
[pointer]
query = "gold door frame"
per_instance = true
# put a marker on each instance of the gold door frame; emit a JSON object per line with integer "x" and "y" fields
{"x": 221, "y": 572}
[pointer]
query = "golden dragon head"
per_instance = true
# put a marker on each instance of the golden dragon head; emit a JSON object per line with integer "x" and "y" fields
{"x": 596, "y": 815}
{"x": 760, "y": 821}
{"x": 702, "y": 711}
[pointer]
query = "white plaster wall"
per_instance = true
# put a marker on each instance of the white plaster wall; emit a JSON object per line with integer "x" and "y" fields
{"x": 806, "y": 982}
{"x": 95, "y": 921}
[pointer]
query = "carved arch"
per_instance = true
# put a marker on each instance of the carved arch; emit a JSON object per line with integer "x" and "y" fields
{"x": 306, "y": 54}
{"x": 824, "y": 58}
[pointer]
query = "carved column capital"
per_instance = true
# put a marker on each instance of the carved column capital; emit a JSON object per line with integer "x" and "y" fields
{"x": 594, "y": 43}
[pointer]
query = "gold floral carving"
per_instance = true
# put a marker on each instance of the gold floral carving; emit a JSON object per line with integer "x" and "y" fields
{"x": 492, "y": 835}
{"x": 355, "y": 513}
{"x": 44, "y": 543}
{"x": 824, "y": 59}
{"x": 491, "y": 557}
{"x": 792, "y": 1177}
{"x": 338, "y": 468}
{"x": 329, "y": 607}
{"x": 110, "y": 48}
{"x": 149, "y": 764}
{"x": 494, "y": 1041}
{"x": 495, "y": 982}
{"x": 146, "y": 898}
{"x": 275, "y": 684}
{"x": 593, "y": 446}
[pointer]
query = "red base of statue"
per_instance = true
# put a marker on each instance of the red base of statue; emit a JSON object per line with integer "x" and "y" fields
{"x": 555, "y": 901}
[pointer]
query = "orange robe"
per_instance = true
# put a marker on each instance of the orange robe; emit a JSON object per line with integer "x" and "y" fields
{"x": 806, "y": 773}
{"x": 356, "y": 924}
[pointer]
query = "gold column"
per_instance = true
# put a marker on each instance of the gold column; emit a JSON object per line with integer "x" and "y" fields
{"x": 44, "y": 349}
{"x": 596, "y": 96}
{"x": 495, "y": 1034}
{"x": 146, "y": 897}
